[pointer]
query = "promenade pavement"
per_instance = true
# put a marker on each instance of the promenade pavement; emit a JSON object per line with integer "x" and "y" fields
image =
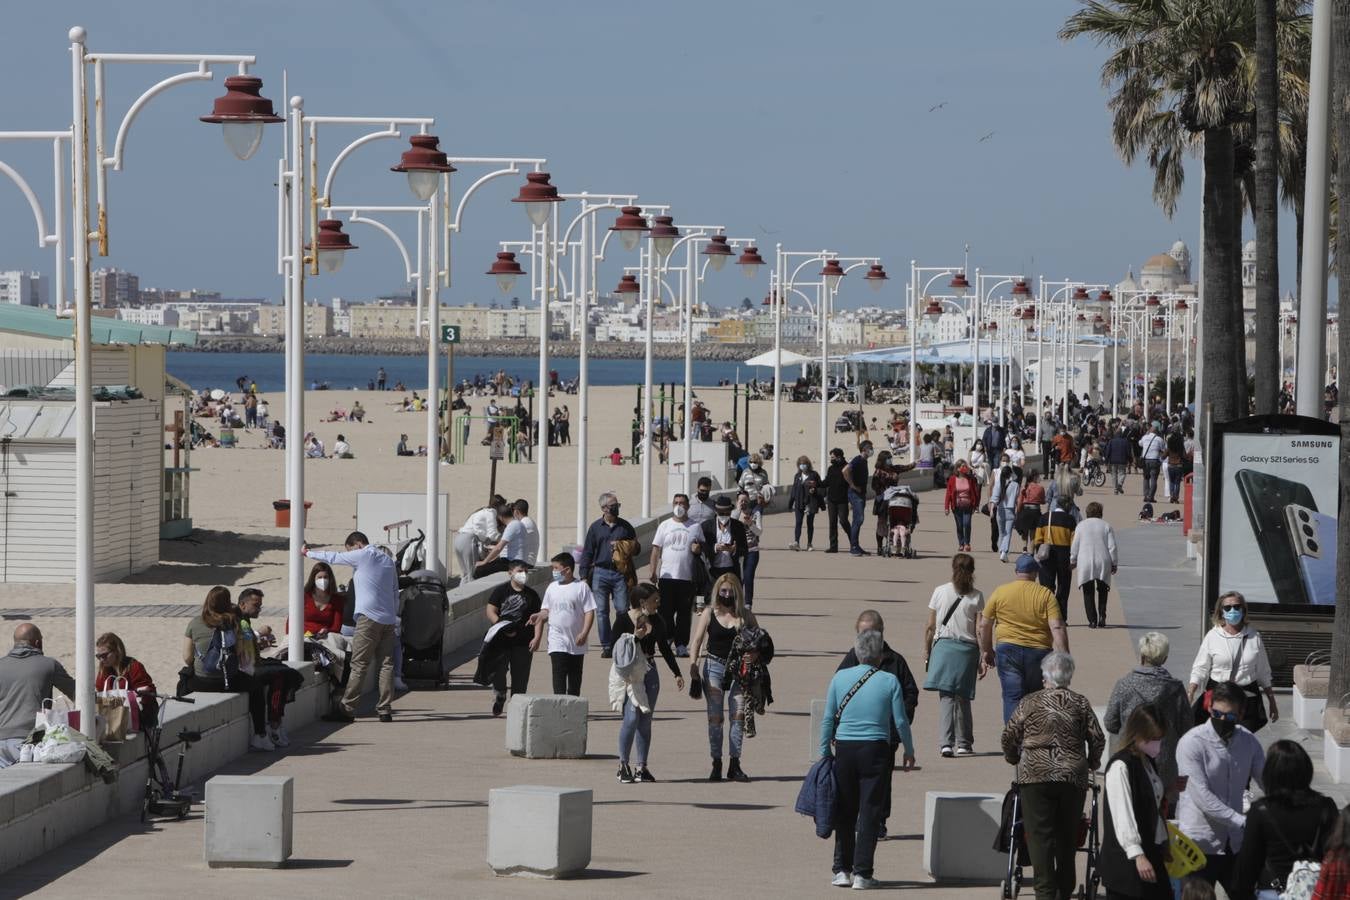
{"x": 400, "y": 809}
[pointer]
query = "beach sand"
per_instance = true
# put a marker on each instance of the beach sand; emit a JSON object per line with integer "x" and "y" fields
{"x": 235, "y": 543}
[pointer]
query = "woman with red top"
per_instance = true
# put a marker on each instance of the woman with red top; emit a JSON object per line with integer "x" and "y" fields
{"x": 111, "y": 655}
{"x": 323, "y": 606}
{"x": 963, "y": 498}
{"x": 1334, "y": 881}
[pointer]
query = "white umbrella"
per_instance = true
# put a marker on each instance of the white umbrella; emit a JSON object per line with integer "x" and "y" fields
{"x": 789, "y": 358}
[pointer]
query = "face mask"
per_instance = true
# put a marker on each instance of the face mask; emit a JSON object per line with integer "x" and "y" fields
{"x": 725, "y": 595}
{"x": 614, "y": 510}
{"x": 520, "y": 577}
{"x": 804, "y": 467}
{"x": 704, "y": 495}
{"x": 557, "y": 575}
{"x": 680, "y": 510}
{"x": 1232, "y": 616}
{"x": 321, "y": 583}
{"x": 722, "y": 520}
{"x": 1223, "y": 728}
{"x": 1151, "y": 748}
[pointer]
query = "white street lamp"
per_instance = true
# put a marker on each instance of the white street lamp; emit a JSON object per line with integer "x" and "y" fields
{"x": 425, "y": 163}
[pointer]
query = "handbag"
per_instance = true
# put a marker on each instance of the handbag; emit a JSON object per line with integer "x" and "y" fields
{"x": 1253, "y": 714}
{"x": 695, "y": 686}
{"x": 1042, "y": 552}
{"x": 112, "y": 706}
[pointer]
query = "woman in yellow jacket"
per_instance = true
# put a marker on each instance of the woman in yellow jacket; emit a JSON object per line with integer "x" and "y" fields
{"x": 1054, "y": 537}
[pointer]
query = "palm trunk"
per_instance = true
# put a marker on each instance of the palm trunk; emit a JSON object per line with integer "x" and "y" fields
{"x": 1265, "y": 211}
{"x": 1340, "y": 54}
{"x": 1220, "y": 309}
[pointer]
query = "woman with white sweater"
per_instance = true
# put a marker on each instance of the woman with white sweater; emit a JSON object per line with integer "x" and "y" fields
{"x": 1232, "y": 651}
{"x": 1093, "y": 555}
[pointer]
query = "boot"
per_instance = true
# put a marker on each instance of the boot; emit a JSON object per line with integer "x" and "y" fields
{"x": 716, "y": 773}
{"x": 734, "y": 770}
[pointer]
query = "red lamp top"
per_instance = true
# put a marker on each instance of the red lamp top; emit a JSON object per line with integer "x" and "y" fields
{"x": 1021, "y": 290}
{"x": 332, "y": 237}
{"x": 1104, "y": 296}
{"x": 242, "y": 103}
{"x": 876, "y": 273}
{"x": 537, "y": 190}
{"x": 664, "y": 227}
{"x": 832, "y": 269}
{"x": 630, "y": 219}
{"x": 933, "y": 308}
{"x": 425, "y": 155}
{"x": 717, "y": 246}
{"x": 1152, "y": 300}
{"x": 959, "y": 282}
{"x": 505, "y": 264}
{"x": 750, "y": 257}
{"x": 1080, "y": 295}
{"x": 1028, "y": 312}
{"x": 628, "y": 284}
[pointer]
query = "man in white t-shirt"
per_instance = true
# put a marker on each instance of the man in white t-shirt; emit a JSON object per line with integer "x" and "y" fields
{"x": 1151, "y": 450}
{"x": 673, "y": 568}
{"x": 569, "y": 612}
{"x": 519, "y": 541}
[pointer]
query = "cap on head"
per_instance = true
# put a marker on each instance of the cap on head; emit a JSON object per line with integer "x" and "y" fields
{"x": 1027, "y": 565}
{"x": 723, "y": 504}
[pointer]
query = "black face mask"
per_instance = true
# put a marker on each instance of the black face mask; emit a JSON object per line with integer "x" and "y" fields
{"x": 704, "y": 495}
{"x": 1223, "y": 728}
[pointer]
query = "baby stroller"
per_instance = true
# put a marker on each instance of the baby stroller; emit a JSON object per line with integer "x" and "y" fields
{"x": 902, "y": 517}
{"x": 1012, "y": 840}
{"x": 410, "y": 556}
{"x": 424, "y": 606}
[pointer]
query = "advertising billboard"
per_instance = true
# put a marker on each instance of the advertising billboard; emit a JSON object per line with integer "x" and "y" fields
{"x": 1273, "y": 496}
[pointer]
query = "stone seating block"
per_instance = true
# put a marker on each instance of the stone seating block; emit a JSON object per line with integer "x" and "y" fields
{"x": 817, "y": 716}
{"x": 539, "y": 831}
{"x": 546, "y": 726}
{"x": 1312, "y": 681}
{"x": 248, "y": 821}
{"x": 1336, "y": 744}
{"x": 958, "y": 837}
{"x": 1308, "y": 711}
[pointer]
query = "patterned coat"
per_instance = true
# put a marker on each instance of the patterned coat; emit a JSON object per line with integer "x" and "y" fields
{"x": 1047, "y": 736}
{"x": 1153, "y": 684}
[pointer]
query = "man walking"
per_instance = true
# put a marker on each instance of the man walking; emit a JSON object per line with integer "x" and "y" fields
{"x": 380, "y": 378}
{"x": 26, "y": 679}
{"x": 701, "y": 510}
{"x": 1030, "y": 625}
{"x": 672, "y": 568}
{"x": 836, "y": 498}
{"x": 1118, "y": 457}
{"x": 1151, "y": 449}
{"x": 722, "y": 541}
{"x": 375, "y": 581}
{"x": 855, "y": 475}
{"x": 608, "y": 584}
{"x": 1045, "y": 433}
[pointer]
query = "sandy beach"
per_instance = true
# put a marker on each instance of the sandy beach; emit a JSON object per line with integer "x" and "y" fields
{"x": 235, "y": 542}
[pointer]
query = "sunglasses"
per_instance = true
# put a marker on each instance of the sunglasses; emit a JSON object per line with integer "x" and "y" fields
{"x": 104, "y": 655}
{"x": 1239, "y": 606}
{"x": 1223, "y": 716}
{"x": 724, "y": 593}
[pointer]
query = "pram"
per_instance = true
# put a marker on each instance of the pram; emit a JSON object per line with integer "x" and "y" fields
{"x": 1012, "y": 840}
{"x": 410, "y": 556}
{"x": 902, "y": 517}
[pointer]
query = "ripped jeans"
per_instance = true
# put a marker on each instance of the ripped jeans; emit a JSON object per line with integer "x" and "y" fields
{"x": 713, "y": 670}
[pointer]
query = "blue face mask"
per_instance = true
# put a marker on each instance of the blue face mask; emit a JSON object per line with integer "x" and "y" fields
{"x": 1232, "y": 616}
{"x": 557, "y": 576}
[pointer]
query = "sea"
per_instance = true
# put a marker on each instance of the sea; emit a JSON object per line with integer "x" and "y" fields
{"x": 346, "y": 371}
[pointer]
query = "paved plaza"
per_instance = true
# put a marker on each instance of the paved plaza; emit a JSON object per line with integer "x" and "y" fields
{"x": 401, "y": 809}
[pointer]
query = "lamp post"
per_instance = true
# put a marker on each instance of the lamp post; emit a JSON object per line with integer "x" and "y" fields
{"x": 242, "y": 112}
{"x": 918, "y": 289}
{"x": 985, "y": 285}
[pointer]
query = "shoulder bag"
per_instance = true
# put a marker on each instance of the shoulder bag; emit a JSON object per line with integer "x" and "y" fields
{"x": 839, "y": 713}
{"x": 960, "y": 598}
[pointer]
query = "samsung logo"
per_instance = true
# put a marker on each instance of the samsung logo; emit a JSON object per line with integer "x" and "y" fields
{"x": 1326, "y": 445}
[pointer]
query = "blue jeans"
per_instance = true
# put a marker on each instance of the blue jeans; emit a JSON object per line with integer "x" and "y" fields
{"x": 607, "y": 585}
{"x": 713, "y": 694}
{"x": 857, "y": 503}
{"x": 1151, "y": 469}
{"x": 962, "y": 517}
{"x": 1019, "y": 673}
{"x": 1005, "y": 528}
{"x": 748, "y": 576}
{"x": 637, "y": 723}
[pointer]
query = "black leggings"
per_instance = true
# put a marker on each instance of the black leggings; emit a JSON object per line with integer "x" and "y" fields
{"x": 239, "y": 684}
{"x": 1094, "y": 600}
{"x": 567, "y": 672}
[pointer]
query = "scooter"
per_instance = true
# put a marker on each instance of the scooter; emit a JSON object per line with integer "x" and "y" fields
{"x": 165, "y": 797}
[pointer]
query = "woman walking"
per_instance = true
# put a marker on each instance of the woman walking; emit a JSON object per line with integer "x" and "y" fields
{"x": 719, "y": 625}
{"x": 1134, "y": 841}
{"x": 1149, "y": 683}
{"x": 750, "y": 518}
{"x": 1054, "y": 741}
{"x": 953, "y": 657}
{"x": 884, "y": 476}
{"x": 1233, "y": 651}
{"x": 644, "y": 622}
{"x": 805, "y": 499}
{"x": 862, "y": 708}
{"x": 1093, "y": 554}
{"x": 963, "y": 498}
{"x": 1002, "y": 504}
{"x": 1056, "y": 533}
{"x": 1030, "y": 505}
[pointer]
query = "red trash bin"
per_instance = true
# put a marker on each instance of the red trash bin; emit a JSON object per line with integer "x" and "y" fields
{"x": 282, "y": 512}
{"x": 1187, "y": 503}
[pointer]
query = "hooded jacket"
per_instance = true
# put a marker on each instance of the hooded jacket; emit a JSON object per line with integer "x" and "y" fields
{"x": 26, "y": 679}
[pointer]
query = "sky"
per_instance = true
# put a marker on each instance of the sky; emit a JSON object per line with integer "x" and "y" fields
{"x": 805, "y": 123}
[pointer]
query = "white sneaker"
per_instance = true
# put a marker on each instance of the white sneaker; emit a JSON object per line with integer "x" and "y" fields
{"x": 794, "y": 546}
{"x": 842, "y": 879}
{"x": 809, "y": 548}
{"x": 864, "y": 884}
{"x": 278, "y": 736}
{"x": 965, "y": 751}
{"x": 945, "y": 750}
{"x": 261, "y": 743}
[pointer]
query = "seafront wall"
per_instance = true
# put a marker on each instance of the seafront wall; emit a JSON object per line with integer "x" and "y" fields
{"x": 514, "y": 347}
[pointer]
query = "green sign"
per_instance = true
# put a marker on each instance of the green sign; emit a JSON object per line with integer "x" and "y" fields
{"x": 449, "y": 334}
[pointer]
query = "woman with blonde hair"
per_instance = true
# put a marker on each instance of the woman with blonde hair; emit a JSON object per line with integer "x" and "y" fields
{"x": 719, "y": 624}
{"x": 114, "y": 663}
{"x": 1232, "y": 651}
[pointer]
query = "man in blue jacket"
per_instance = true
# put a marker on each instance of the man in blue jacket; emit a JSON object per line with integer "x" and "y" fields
{"x": 1118, "y": 454}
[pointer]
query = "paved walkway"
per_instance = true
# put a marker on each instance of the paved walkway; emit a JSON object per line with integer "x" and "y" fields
{"x": 400, "y": 809}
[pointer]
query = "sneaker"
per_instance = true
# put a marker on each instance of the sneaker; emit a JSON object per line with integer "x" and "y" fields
{"x": 965, "y": 751}
{"x": 843, "y": 879}
{"x": 794, "y": 546}
{"x": 498, "y": 705}
{"x": 1003, "y": 557}
{"x": 863, "y": 883}
{"x": 277, "y": 734}
{"x": 945, "y": 750}
{"x": 644, "y": 775}
{"x": 386, "y": 717}
{"x": 809, "y": 548}
{"x": 261, "y": 743}
{"x": 607, "y": 653}
{"x": 625, "y": 774}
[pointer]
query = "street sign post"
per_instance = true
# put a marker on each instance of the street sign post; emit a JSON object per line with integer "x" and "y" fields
{"x": 450, "y": 334}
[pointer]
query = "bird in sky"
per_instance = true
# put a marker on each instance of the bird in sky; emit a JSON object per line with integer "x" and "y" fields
{"x": 767, "y": 231}
{"x": 985, "y": 138}
{"x": 936, "y": 106}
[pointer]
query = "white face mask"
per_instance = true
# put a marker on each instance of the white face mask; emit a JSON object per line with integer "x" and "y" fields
{"x": 680, "y": 510}
{"x": 804, "y": 467}
{"x": 321, "y": 583}
{"x": 723, "y": 520}
{"x": 520, "y": 577}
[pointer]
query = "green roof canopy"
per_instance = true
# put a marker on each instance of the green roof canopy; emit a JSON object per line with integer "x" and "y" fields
{"x": 45, "y": 322}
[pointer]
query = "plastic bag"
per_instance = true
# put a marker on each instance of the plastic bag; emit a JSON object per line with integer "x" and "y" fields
{"x": 1186, "y": 856}
{"x": 58, "y": 745}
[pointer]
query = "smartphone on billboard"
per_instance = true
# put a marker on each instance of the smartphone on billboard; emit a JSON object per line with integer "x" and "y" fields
{"x": 1266, "y": 498}
{"x": 1313, "y": 537}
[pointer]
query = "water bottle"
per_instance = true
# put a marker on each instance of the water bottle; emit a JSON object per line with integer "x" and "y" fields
{"x": 26, "y": 753}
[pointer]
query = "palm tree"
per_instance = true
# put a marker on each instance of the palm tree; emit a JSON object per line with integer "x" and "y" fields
{"x": 1265, "y": 208}
{"x": 1176, "y": 72}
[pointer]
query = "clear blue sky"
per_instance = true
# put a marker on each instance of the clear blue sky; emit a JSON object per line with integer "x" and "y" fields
{"x": 801, "y": 122}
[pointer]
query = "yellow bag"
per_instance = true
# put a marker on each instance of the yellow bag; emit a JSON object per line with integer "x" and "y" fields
{"x": 1186, "y": 856}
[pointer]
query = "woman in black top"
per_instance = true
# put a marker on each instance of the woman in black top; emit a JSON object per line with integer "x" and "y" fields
{"x": 1291, "y": 822}
{"x": 1134, "y": 841}
{"x": 718, "y": 625}
{"x": 514, "y": 601}
{"x": 644, "y": 622}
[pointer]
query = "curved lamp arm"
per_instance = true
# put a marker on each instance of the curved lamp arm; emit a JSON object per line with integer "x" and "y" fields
{"x": 393, "y": 236}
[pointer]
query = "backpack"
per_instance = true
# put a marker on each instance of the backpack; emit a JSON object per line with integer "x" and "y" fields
{"x": 1302, "y": 880}
{"x": 963, "y": 497}
{"x": 221, "y": 658}
{"x": 1146, "y": 511}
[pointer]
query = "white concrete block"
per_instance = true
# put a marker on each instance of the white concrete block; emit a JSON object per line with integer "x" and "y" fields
{"x": 958, "y": 837}
{"x": 546, "y": 726}
{"x": 1336, "y": 758}
{"x": 1308, "y": 711}
{"x": 540, "y": 831}
{"x": 817, "y": 716}
{"x": 248, "y": 821}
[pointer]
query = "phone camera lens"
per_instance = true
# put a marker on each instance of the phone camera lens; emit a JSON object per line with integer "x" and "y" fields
{"x": 1302, "y": 516}
{"x": 1312, "y": 546}
{"x": 1308, "y": 530}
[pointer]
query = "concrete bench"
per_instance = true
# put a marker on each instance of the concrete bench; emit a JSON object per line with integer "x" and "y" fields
{"x": 1310, "y": 695}
{"x": 540, "y": 831}
{"x": 958, "y": 837}
{"x": 248, "y": 821}
{"x": 546, "y": 726}
{"x": 1336, "y": 744}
